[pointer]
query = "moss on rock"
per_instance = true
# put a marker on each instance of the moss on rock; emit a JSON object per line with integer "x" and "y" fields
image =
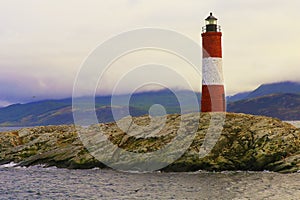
{"x": 247, "y": 142}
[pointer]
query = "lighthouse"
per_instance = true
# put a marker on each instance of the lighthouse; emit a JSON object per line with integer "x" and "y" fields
{"x": 213, "y": 95}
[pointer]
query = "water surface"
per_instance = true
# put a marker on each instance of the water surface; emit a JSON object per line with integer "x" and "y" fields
{"x": 52, "y": 183}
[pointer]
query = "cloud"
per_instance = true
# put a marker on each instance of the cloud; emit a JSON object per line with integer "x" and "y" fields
{"x": 43, "y": 43}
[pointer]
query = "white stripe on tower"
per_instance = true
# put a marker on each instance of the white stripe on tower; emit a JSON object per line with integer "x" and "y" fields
{"x": 212, "y": 71}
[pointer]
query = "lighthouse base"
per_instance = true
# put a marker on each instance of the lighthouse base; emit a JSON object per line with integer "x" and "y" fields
{"x": 213, "y": 98}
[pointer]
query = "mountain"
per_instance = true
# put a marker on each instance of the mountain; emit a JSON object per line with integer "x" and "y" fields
{"x": 37, "y": 113}
{"x": 55, "y": 112}
{"x": 238, "y": 96}
{"x": 283, "y": 106}
{"x": 266, "y": 89}
{"x": 279, "y": 100}
{"x": 273, "y": 88}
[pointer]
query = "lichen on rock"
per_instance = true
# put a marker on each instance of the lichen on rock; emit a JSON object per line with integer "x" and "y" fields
{"x": 246, "y": 142}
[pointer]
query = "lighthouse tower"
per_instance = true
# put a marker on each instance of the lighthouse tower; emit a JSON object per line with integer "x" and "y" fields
{"x": 213, "y": 96}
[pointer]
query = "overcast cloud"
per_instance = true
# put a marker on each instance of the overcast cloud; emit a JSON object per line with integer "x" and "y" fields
{"x": 43, "y": 43}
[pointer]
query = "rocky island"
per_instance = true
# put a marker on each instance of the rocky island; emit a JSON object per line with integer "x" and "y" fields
{"x": 247, "y": 142}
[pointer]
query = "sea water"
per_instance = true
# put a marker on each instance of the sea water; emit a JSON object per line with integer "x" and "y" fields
{"x": 52, "y": 183}
{"x": 295, "y": 123}
{"x": 2, "y": 129}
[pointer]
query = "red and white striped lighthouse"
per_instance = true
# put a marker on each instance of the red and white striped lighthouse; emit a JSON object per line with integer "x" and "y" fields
{"x": 213, "y": 96}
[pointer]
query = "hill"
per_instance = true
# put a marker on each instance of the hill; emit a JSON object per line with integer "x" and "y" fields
{"x": 266, "y": 89}
{"x": 279, "y": 100}
{"x": 273, "y": 88}
{"x": 282, "y": 106}
{"x": 55, "y": 112}
{"x": 238, "y": 96}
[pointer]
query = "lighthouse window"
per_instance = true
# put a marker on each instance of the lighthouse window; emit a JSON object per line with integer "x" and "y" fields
{"x": 211, "y": 21}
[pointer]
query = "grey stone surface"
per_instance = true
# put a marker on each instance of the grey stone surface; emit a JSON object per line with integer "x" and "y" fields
{"x": 247, "y": 142}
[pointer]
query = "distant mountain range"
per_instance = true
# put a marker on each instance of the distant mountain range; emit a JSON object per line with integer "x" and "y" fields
{"x": 57, "y": 112}
{"x": 266, "y": 89}
{"x": 285, "y": 106}
{"x": 281, "y": 100}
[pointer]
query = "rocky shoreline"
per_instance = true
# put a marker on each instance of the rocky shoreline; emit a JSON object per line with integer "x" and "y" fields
{"x": 247, "y": 142}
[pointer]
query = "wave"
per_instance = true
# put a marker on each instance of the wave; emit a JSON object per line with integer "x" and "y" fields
{"x": 9, "y": 165}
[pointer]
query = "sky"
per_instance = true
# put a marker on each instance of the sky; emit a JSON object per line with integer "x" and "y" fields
{"x": 43, "y": 44}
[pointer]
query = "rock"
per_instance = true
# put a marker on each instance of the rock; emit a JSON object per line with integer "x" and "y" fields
{"x": 245, "y": 142}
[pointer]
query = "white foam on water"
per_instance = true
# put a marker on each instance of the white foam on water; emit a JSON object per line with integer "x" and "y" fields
{"x": 8, "y": 165}
{"x": 20, "y": 167}
{"x": 37, "y": 166}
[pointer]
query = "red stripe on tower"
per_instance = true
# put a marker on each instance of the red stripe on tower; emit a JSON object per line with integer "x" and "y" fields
{"x": 213, "y": 95}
